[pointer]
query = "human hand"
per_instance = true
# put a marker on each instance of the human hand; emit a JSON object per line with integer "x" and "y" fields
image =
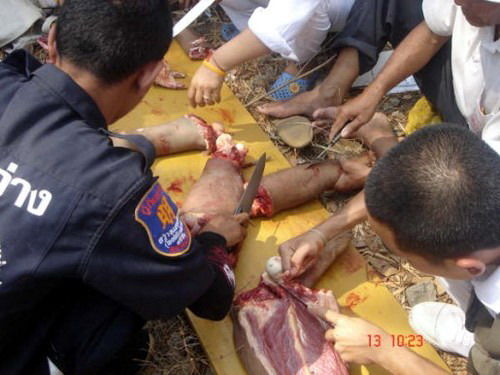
{"x": 231, "y": 227}
{"x": 357, "y": 340}
{"x": 300, "y": 253}
{"x": 353, "y": 114}
{"x": 205, "y": 87}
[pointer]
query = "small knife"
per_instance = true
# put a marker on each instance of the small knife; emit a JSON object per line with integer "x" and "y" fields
{"x": 250, "y": 192}
{"x": 190, "y": 16}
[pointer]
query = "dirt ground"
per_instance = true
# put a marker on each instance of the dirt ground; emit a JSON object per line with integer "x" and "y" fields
{"x": 176, "y": 348}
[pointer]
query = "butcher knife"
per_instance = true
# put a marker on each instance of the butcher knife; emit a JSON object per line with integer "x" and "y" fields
{"x": 190, "y": 16}
{"x": 250, "y": 192}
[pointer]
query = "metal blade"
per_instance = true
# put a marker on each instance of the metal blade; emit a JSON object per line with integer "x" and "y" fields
{"x": 250, "y": 192}
{"x": 190, "y": 16}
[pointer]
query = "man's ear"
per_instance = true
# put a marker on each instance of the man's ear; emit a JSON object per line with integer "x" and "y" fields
{"x": 53, "y": 55}
{"x": 146, "y": 76}
{"x": 473, "y": 266}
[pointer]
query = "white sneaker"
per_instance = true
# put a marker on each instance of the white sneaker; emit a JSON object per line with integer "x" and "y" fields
{"x": 442, "y": 325}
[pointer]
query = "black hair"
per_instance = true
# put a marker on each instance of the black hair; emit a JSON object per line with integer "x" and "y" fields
{"x": 439, "y": 192}
{"x": 113, "y": 38}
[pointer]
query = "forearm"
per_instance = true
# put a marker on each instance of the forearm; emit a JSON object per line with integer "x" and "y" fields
{"x": 409, "y": 57}
{"x": 403, "y": 361}
{"x": 342, "y": 75}
{"x": 354, "y": 212}
{"x": 244, "y": 47}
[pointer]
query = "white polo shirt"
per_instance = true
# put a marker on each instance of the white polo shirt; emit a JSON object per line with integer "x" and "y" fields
{"x": 293, "y": 28}
{"x": 475, "y": 65}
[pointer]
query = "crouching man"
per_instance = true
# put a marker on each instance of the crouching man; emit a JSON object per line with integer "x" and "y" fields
{"x": 434, "y": 200}
{"x": 90, "y": 244}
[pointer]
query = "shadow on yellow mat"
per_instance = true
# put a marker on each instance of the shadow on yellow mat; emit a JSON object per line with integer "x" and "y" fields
{"x": 348, "y": 278}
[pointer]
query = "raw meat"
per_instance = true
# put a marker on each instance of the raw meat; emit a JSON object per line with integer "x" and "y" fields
{"x": 294, "y": 186}
{"x": 220, "y": 186}
{"x": 275, "y": 334}
{"x": 187, "y": 133}
{"x": 167, "y": 78}
{"x": 195, "y": 45}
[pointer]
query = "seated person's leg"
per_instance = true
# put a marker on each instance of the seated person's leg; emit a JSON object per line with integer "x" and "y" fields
{"x": 370, "y": 25}
{"x": 95, "y": 335}
{"x": 435, "y": 81}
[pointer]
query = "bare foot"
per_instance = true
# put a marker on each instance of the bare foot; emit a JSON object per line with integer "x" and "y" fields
{"x": 377, "y": 135}
{"x": 354, "y": 173}
{"x": 302, "y": 104}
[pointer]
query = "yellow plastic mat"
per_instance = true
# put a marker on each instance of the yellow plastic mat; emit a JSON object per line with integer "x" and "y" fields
{"x": 350, "y": 278}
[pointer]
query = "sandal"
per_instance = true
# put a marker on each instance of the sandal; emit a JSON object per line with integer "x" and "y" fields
{"x": 294, "y": 88}
{"x": 228, "y": 31}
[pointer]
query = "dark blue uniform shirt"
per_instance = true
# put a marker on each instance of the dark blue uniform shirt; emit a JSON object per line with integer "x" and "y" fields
{"x": 67, "y": 217}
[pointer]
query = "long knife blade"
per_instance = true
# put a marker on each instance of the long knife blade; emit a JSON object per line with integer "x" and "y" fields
{"x": 248, "y": 196}
{"x": 190, "y": 16}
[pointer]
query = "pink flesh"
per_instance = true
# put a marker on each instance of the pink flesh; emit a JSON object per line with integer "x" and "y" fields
{"x": 262, "y": 205}
{"x": 206, "y": 131}
{"x": 166, "y": 78}
{"x": 199, "y": 50}
{"x": 276, "y": 334}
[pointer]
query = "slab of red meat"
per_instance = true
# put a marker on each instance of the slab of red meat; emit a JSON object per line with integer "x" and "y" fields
{"x": 276, "y": 335}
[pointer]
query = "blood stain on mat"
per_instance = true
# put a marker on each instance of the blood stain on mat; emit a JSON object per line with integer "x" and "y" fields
{"x": 353, "y": 299}
{"x": 156, "y": 111}
{"x": 176, "y": 186}
{"x": 225, "y": 115}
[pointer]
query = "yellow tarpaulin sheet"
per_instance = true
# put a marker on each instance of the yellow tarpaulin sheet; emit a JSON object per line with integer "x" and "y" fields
{"x": 348, "y": 278}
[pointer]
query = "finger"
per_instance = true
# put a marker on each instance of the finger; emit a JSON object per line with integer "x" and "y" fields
{"x": 352, "y": 127}
{"x": 242, "y": 218}
{"x": 330, "y": 335}
{"x": 216, "y": 95}
{"x": 316, "y": 309}
{"x": 243, "y": 234}
{"x": 332, "y": 316}
{"x": 198, "y": 98}
{"x": 208, "y": 101}
{"x": 191, "y": 95}
{"x": 286, "y": 254}
{"x": 328, "y": 113}
{"x": 301, "y": 260}
{"x": 322, "y": 123}
{"x": 338, "y": 125}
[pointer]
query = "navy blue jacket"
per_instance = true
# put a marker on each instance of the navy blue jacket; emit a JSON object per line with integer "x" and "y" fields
{"x": 68, "y": 202}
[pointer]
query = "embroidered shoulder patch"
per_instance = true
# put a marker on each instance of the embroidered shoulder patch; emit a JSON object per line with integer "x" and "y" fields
{"x": 159, "y": 215}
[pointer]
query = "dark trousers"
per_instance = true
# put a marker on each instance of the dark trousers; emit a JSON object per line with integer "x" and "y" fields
{"x": 373, "y": 23}
{"x": 95, "y": 335}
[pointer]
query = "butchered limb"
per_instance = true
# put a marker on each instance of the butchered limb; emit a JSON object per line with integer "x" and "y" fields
{"x": 333, "y": 247}
{"x": 294, "y": 186}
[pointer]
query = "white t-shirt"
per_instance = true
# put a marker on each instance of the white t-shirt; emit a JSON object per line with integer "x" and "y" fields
{"x": 475, "y": 65}
{"x": 293, "y": 28}
{"x": 487, "y": 288}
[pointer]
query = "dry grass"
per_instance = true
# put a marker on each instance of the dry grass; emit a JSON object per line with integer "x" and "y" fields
{"x": 176, "y": 348}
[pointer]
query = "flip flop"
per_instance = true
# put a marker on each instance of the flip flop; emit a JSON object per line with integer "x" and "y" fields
{"x": 228, "y": 31}
{"x": 294, "y": 88}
